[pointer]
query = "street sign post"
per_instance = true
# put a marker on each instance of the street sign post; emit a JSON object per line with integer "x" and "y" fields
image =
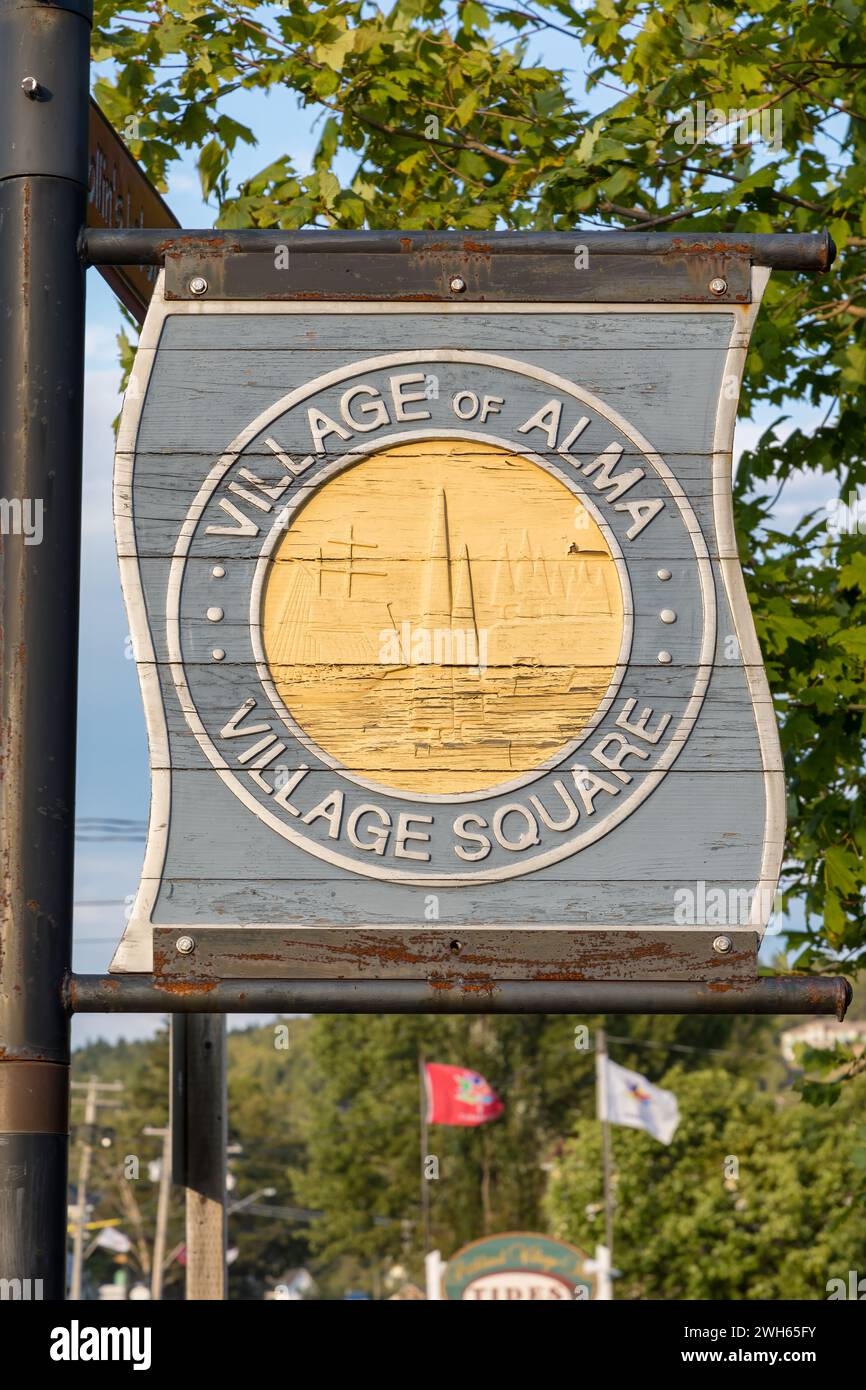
{"x": 120, "y": 195}
{"x": 44, "y": 60}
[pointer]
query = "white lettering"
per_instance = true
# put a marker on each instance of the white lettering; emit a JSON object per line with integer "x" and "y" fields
{"x": 639, "y": 728}
{"x": 460, "y": 829}
{"x": 321, "y": 426}
{"x": 379, "y": 832}
{"x": 529, "y": 835}
{"x": 547, "y": 420}
{"x": 374, "y": 408}
{"x": 405, "y": 832}
{"x": 330, "y": 808}
{"x": 401, "y": 398}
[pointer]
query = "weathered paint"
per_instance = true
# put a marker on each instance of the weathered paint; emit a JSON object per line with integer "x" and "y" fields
{"x": 234, "y": 429}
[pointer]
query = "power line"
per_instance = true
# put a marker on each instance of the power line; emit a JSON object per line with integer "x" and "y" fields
{"x": 109, "y": 829}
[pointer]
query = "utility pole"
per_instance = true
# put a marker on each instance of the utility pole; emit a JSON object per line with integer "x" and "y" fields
{"x": 199, "y": 1123}
{"x": 158, "y": 1268}
{"x": 44, "y": 78}
{"x": 92, "y": 1101}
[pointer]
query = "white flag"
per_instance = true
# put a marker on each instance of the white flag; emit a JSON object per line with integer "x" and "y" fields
{"x": 112, "y": 1239}
{"x": 626, "y": 1098}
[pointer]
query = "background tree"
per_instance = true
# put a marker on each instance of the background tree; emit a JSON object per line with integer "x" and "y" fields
{"x": 363, "y": 1156}
{"x": 332, "y": 1123}
{"x": 791, "y": 1218}
{"x": 266, "y": 1145}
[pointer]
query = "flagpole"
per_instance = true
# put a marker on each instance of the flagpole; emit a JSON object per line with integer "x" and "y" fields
{"x": 601, "y": 1110}
{"x": 425, "y": 1186}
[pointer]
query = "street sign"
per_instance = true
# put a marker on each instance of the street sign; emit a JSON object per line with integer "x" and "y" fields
{"x": 119, "y": 194}
{"x": 518, "y": 1265}
{"x": 447, "y": 661}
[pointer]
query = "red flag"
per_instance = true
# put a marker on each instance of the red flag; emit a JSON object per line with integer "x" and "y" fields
{"x": 458, "y": 1096}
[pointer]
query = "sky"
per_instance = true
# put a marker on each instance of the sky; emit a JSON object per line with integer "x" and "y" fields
{"x": 112, "y": 777}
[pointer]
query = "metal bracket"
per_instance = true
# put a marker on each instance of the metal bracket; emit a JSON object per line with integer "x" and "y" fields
{"x": 465, "y": 274}
{"x": 689, "y": 266}
{"x": 478, "y": 957}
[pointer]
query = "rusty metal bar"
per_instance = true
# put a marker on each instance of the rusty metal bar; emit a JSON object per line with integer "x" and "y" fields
{"x": 778, "y": 994}
{"x": 809, "y": 251}
{"x": 471, "y": 956}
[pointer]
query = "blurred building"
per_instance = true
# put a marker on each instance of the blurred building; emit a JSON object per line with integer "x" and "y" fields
{"x": 823, "y": 1033}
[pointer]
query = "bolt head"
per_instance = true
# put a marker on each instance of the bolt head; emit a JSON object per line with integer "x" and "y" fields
{"x": 198, "y": 285}
{"x": 457, "y": 284}
{"x": 185, "y": 945}
{"x": 30, "y": 87}
{"x": 724, "y": 945}
{"x": 718, "y": 285}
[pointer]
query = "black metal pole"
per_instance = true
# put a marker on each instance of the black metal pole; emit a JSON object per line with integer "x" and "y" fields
{"x": 44, "y": 58}
{"x": 779, "y": 994}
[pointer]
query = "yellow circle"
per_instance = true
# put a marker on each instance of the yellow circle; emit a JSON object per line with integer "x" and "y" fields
{"x": 442, "y": 617}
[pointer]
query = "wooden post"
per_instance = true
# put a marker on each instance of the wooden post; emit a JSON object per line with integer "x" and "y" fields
{"x": 200, "y": 1132}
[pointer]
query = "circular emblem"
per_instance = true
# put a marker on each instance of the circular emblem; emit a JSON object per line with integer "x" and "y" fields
{"x": 416, "y": 608}
{"x": 402, "y": 621}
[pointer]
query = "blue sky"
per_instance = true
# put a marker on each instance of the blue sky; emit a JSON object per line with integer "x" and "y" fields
{"x": 112, "y": 750}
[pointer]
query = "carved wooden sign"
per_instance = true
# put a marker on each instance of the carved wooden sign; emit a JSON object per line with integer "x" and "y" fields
{"x": 447, "y": 662}
{"x": 518, "y": 1265}
{"x": 119, "y": 194}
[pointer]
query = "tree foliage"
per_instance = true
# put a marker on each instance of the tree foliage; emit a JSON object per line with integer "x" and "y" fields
{"x": 267, "y": 1143}
{"x": 331, "y": 1123}
{"x": 755, "y": 1197}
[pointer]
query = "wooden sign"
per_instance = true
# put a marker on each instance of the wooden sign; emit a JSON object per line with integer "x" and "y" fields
{"x": 447, "y": 661}
{"x": 516, "y": 1266}
{"x": 119, "y": 194}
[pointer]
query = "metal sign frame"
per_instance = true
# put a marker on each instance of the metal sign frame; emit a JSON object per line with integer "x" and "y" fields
{"x": 244, "y": 273}
{"x": 645, "y": 971}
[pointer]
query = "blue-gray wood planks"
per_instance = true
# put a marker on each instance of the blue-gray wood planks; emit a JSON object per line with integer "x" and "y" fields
{"x": 217, "y": 460}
